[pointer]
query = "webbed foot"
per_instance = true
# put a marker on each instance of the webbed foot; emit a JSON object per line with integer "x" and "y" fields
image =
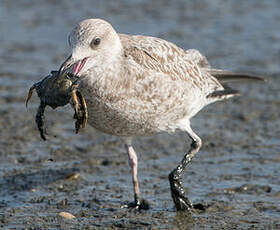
{"x": 138, "y": 204}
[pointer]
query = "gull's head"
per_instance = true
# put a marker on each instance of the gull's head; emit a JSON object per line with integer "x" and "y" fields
{"x": 93, "y": 42}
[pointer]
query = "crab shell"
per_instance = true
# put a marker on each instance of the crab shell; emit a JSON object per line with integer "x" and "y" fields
{"x": 54, "y": 90}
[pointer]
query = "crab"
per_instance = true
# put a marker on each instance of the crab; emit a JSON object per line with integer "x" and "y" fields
{"x": 57, "y": 90}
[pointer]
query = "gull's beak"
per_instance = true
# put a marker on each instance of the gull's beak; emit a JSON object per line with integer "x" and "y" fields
{"x": 66, "y": 64}
{"x": 69, "y": 62}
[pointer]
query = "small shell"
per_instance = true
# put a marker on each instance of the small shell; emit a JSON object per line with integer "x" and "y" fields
{"x": 73, "y": 176}
{"x": 66, "y": 215}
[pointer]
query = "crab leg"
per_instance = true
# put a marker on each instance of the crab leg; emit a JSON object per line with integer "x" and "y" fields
{"x": 40, "y": 120}
{"x": 29, "y": 94}
{"x": 84, "y": 109}
{"x": 75, "y": 100}
{"x": 80, "y": 107}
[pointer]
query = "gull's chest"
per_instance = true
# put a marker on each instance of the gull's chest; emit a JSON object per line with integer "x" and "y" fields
{"x": 117, "y": 118}
{"x": 112, "y": 111}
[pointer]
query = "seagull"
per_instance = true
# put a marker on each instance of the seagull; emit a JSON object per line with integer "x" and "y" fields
{"x": 138, "y": 85}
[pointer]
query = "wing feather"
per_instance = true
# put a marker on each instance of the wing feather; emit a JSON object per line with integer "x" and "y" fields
{"x": 165, "y": 57}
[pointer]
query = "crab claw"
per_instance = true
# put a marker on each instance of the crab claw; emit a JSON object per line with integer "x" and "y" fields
{"x": 30, "y": 94}
{"x": 80, "y": 108}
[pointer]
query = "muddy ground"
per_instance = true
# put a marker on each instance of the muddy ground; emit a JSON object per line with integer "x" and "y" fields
{"x": 236, "y": 174}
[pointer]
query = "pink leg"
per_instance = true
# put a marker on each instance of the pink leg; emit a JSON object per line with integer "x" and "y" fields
{"x": 132, "y": 160}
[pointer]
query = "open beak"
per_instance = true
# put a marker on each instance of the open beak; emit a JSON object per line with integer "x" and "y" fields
{"x": 70, "y": 62}
{"x": 66, "y": 64}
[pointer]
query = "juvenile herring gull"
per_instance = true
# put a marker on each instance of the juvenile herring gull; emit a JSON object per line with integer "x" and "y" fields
{"x": 140, "y": 86}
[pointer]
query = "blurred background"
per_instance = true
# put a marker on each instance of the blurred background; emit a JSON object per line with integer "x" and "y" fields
{"x": 236, "y": 173}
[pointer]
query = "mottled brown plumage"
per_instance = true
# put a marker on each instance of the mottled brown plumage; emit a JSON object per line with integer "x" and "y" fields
{"x": 140, "y": 85}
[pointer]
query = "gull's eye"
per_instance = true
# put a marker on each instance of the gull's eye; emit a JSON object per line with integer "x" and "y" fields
{"x": 95, "y": 42}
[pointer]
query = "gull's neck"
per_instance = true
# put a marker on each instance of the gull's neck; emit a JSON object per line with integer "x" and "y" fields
{"x": 107, "y": 75}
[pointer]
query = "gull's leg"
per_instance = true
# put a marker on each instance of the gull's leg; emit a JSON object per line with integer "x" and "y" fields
{"x": 175, "y": 177}
{"x": 133, "y": 162}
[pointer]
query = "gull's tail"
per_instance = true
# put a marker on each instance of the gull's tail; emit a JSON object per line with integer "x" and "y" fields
{"x": 225, "y": 77}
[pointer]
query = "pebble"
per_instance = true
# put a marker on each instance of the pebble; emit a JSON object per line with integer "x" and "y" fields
{"x": 73, "y": 176}
{"x": 67, "y": 215}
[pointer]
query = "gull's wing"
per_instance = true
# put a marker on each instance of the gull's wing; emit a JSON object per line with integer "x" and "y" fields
{"x": 223, "y": 76}
{"x": 197, "y": 58}
{"x": 165, "y": 57}
{"x": 158, "y": 54}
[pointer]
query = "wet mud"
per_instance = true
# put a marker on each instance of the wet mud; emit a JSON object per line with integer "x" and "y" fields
{"x": 234, "y": 181}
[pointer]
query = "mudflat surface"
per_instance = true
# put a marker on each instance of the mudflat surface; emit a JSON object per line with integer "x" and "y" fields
{"x": 236, "y": 174}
